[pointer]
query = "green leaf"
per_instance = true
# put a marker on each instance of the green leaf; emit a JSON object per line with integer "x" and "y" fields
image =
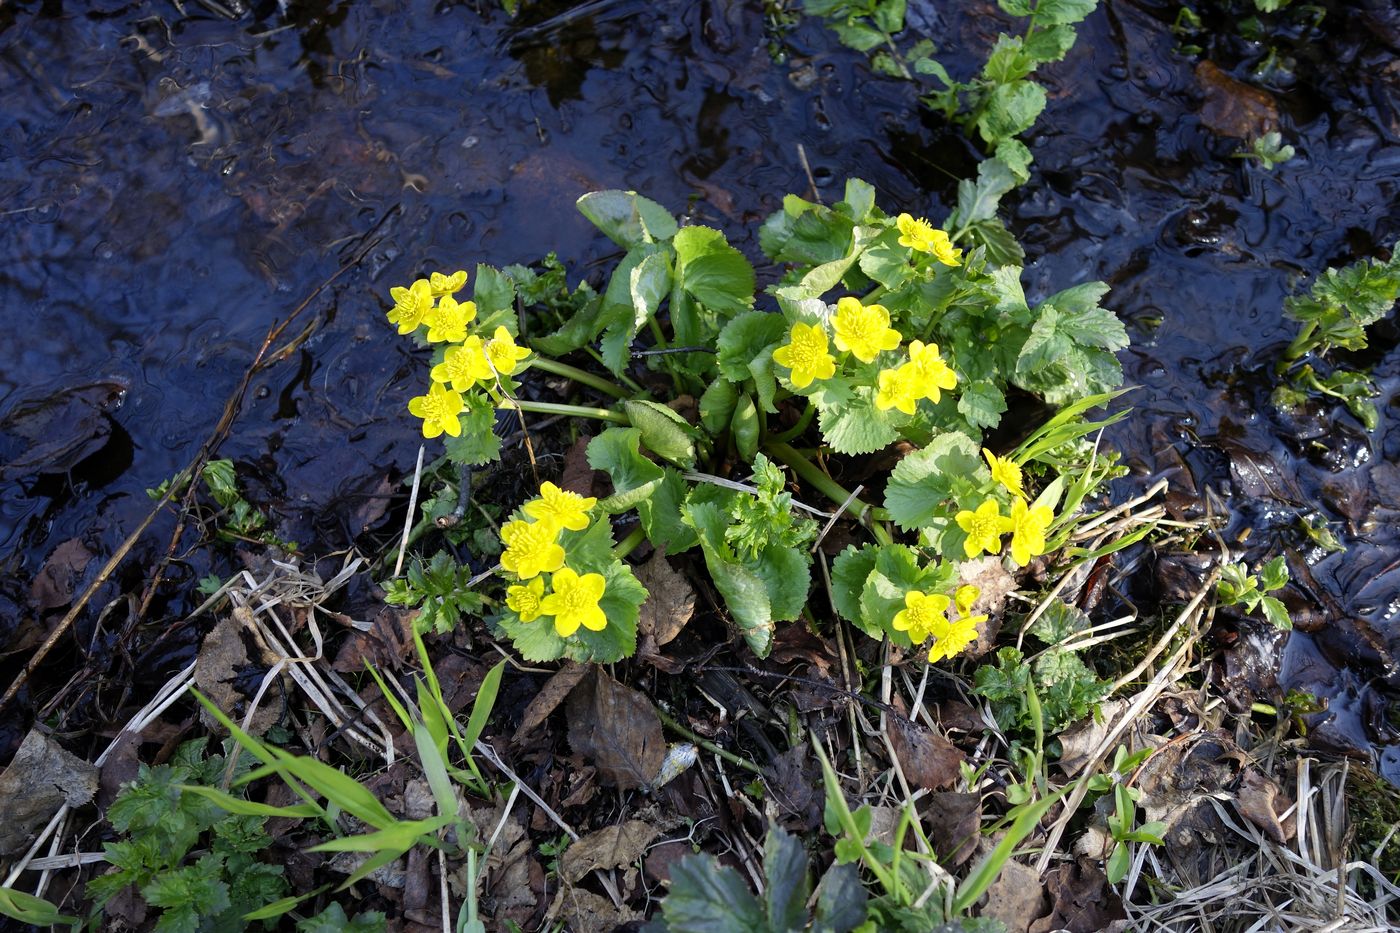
{"x": 1011, "y": 109}
{"x": 982, "y": 404}
{"x": 660, "y": 514}
{"x": 745, "y": 427}
{"x": 788, "y": 887}
{"x": 841, "y": 901}
{"x": 889, "y": 16}
{"x": 26, "y": 908}
{"x": 664, "y": 432}
{"x": 187, "y": 893}
{"x": 1016, "y": 7}
{"x": 1050, "y": 45}
{"x": 887, "y": 264}
{"x": 238, "y": 805}
{"x": 333, "y": 920}
{"x": 1058, "y": 622}
{"x": 977, "y": 201}
{"x": 478, "y": 442}
{"x": 744, "y": 338}
{"x": 716, "y": 274}
{"x": 617, "y": 452}
{"x": 1016, "y": 157}
{"x": 849, "y": 572}
{"x": 621, "y": 603}
{"x": 859, "y": 197}
{"x": 1276, "y": 612}
{"x": 760, "y": 590}
{"x": 923, "y": 481}
{"x": 494, "y": 292}
{"x": 856, "y": 426}
{"x": 1274, "y": 574}
{"x": 858, "y": 36}
{"x": 706, "y": 898}
{"x": 1000, "y": 245}
{"x": 717, "y": 405}
{"x": 1007, "y": 61}
{"x": 1061, "y": 12}
{"x": 627, "y": 218}
{"x": 399, "y": 836}
{"x": 648, "y": 284}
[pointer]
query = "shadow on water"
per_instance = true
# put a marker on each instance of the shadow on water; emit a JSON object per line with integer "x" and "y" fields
{"x": 172, "y": 183}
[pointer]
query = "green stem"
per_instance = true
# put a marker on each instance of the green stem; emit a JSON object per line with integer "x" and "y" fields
{"x": 706, "y": 744}
{"x": 578, "y": 375}
{"x": 1301, "y": 345}
{"x": 802, "y": 423}
{"x": 556, "y": 408}
{"x": 626, "y": 380}
{"x": 810, "y": 473}
{"x": 629, "y": 544}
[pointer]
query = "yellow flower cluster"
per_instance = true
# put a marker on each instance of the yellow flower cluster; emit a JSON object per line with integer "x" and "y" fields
{"x": 469, "y": 358}
{"x": 864, "y": 331}
{"x": 922, "y": 236}
{"x": 985, "y": 525}
{"x": 925, "y": 615}
{"x": 533, "y": 550}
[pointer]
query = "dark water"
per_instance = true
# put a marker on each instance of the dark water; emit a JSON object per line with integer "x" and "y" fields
{"x": 172, "y": 183}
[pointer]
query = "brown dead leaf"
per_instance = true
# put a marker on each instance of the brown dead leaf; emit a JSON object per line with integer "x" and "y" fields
{"x": 1016, "y": 898}
{"x": 550, "y": 696}
{"x": 795, "y": 644}
{"x": 388, "y": 643}
{"x": 1233, "y": 108}
{"x": 585, "y": 912}
{"x": 221, "y": 656}
{"x": 670, "y": 604}
{"x": 55, "y": 584}
{"x": 611, "y": 847}
{"x": 1081, "y": 900}
{"x": 617, "y": 729}
{"x": 795, "y": 784}
{"x": 1178, "y": 785}
{"x": 954, "y": 822}
{"x": 1260, "y": 800}
{"x": 1079, "y": 741}
{"x": 42, "y": 777}
{"x": 928, "y": 759}
{"x": 578, "y": 474}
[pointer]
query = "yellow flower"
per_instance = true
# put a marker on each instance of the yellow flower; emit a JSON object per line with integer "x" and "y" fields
{"x": 1028, "y": 524}
{"x": 464, "y": 366}
{"x": 525, "y": 600}
{"x": 964, "y": 598}
{"x": 560, "y": 508}
{"x": 439, "y": 410}
{"x": 934, "y": 374}
{"x": 943, "y": 249}
{"x": 806, "y": 355}
{"x": 503, "y": 352}
{"x": 1006, "y": 472}
{"x": 574, "y": 602}
{"x": 899, "y": 388}
{"x": 863, "y": 329}
{"x": 448, "y": 321}
{"x": 915, "y": 234}
{"x": 922, "y": 612}
{"x": 953, "y": 637}
{"x": 984, "y": 528}
{"x": 447, "y": 284}
{"x": 411, "y": 305}
{"x": 531, "y": 549}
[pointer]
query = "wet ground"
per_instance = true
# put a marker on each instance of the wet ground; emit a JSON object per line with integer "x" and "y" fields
{"x": 173, "y": 181}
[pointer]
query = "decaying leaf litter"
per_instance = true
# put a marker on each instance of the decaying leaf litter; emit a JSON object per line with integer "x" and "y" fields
{"x": 747, "y": 709}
